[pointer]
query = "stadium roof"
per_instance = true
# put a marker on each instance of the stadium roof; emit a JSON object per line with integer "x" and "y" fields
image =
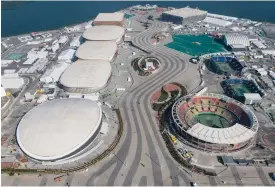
{"x": 233, "y": 39}
{"x": 57, "y": 128}
{"x": 109, "y": 17}
{"x": 97, "y": 50}
{"x": 92, "y": 74}
{"x": 231, "y": 135}
{"x": 186, "y": 12}
{"x": 104, "y": 33}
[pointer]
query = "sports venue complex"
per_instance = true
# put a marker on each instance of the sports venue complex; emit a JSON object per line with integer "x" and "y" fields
{"x": 86, "y": 76}
{"x": 236, "y": 88}
{"x": 214, "y": 123}
{"x": 225, "y": 65}
{"x": 59, "y": 129}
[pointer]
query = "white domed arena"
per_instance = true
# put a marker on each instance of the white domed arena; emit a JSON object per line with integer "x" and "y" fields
{"x": 86, "y": 76}
{"x": 97, "y": 50}
{"x": 59, "y": 129}
{"x": 105, "y": 33}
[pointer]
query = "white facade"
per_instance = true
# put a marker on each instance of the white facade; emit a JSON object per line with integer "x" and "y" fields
{"x": 43, "y": 98}
{"x": 59, "y": 128}
{"x": 268, "y": 52}
{"x": 5, "y": 63}
{"x": 3, "y": 92}
{"x": 37, "y": 54}
{"x": 251, "y": 98}
{"x": 54, "y": 74}
{"x": 258, "y": 44}
{"x": 92, "y": 96}
{"x": 75, "y": 42}
{"x": 272, "y": 74}
{"x": 229, "y": 18}
{"x": 63, "y": 39}
{"x": 176, "y": 27}
{"x": 67, "y": 55}
{"x": 30, "y": 61}
{"x": 12, "y": 81}
{"x": 216, "y": 21}
{"x": 236, "y": 39}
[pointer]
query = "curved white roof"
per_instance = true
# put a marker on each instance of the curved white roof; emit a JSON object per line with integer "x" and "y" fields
{"x": 86, "y": 74}
{"x": 104, "y": 33}
{"x": 57, "y": 128}
{"x": 97, "y": 50}
{"x": 236, "y": 39}
{"x": 232, "y": 135}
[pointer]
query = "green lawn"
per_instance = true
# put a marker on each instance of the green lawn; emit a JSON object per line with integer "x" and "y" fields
{"x": 211, "y": 120}
{"x": 195, "y": 45}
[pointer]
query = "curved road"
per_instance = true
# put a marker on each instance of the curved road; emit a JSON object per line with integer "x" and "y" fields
{"x": 142, "y": 158}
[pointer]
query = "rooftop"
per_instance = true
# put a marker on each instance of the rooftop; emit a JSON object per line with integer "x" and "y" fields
{"x": 109, "y": 17}
{"x": 186, "y": 12}
{"x": 57, "y": 128}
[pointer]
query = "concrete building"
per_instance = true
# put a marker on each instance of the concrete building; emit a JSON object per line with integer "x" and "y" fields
{"x": 67, "y": 55}
{"x": 59, "y": 129}
{"x": 216, "y": 21}
{"x": 12, "y": 81}
{"x": 63, "y": 39}
{"x": 251, "y": 98}
{"x": 34, "y": 53}
{"x": 258, "y": 44}
{"x": 97, "y": 50}
{"x": 105, "y": 33}
{"x": 236, "y": 40}
{"x": 229, "y": 18}
{"x": 76, "y": 42}
{"x": 109, "y": 19}
{"x": 183, "y": 15}
{"x": 53, "y": 75}
{"x": 86, "y": 76}
{"x": 3, "y": 92}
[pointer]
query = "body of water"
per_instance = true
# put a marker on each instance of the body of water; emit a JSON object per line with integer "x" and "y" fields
{"x": 38, "y": 16}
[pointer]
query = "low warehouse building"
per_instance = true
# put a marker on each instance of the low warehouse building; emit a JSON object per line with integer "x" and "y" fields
{"x": 67, "y": 55}
{"x": 105, "y": 33}
{"x": 109, "y": 19}
{"x": 86, "y": 76}
{"x": 97, "y": 50}
{"x": 236, "y": 40}
{"x": 216, "y": 21}
{"x": 58, "y": 129}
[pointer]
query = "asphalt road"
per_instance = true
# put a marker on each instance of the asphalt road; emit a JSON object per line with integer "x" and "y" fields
{"x": 142, "y": 142}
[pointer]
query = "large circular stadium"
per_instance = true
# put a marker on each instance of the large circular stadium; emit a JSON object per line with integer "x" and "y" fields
{"x": 59, "y": 129}
{"x": 214, "y": 123}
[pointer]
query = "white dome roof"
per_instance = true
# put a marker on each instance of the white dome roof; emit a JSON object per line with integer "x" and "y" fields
{"x": 97, "y": 50}
{"x": 92, "y": 74}
{"x": 104, "y": 33}
{"x": 57, "y": 128}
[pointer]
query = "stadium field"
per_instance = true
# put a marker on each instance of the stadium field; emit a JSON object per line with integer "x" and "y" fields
{"x": 224, "y": 67}
{"x": 240, "y": 89}
{"x": 211, "y": 120}
{"x": 195, "y": 45}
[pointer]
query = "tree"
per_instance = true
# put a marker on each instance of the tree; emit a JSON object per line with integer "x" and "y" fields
{"x": 150, "y": 17}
